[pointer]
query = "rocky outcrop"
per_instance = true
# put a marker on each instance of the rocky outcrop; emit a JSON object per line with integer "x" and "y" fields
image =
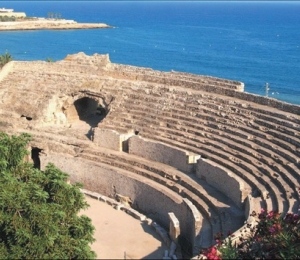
{"x": 195, "y": 146}
{"x": 48, "y": 24}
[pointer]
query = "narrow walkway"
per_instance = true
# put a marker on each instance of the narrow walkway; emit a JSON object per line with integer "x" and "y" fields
{"x": 120, "y": 236}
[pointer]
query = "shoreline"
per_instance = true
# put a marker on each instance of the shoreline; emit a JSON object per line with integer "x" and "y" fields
{"x": 49, "y": 24}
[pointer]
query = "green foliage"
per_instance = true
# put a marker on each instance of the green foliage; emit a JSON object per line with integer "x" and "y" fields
{"x": 5, "y": 58}
{"x": 38, "y": 209}
{"x": 274, "y": 237}
{"x": 228, "y": 249}
{"x": 6, "y": 18}
{"x": 49, "y": 60}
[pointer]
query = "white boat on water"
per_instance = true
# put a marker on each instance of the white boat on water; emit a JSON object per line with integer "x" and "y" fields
{"x": 4, "y": 10}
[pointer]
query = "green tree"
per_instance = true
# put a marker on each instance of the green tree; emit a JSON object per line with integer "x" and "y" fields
{"x": 5, "y": 58}
{"x": 49, "y": 60}
{"x": 39, "y": 209}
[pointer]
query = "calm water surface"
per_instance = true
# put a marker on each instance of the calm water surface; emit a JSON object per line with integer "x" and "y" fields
{"x": 251, "y": 42}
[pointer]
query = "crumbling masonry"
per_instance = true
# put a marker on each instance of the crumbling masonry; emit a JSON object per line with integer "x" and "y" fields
{"x": 195, "y": 153}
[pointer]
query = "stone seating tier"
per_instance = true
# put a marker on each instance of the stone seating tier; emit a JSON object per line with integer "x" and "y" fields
{"x": 193, "y": 191}
{"x": 278, "y": 183}
{"x": 296, "y": 159}
{"x": 217, "y": 114}
{"x": 252, "y": 140}
{"x": 197, "y": 194}
{"x": 212, "y": 118}
{"x": 149, "y": 112}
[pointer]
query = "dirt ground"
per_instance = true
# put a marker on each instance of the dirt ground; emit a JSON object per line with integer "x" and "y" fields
{"x": 120, "y": 236}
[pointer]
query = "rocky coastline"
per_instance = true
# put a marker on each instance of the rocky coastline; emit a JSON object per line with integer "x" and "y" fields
{"x": 49, "y": 24}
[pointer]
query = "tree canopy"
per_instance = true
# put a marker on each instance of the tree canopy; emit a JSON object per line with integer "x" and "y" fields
{"x": 39, "y": 209}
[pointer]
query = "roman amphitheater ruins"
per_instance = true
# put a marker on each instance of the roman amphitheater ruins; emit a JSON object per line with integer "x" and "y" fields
{"x": 195, "y": 154}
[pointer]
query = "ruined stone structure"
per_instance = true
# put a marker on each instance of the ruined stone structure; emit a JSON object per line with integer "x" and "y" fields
{"x": 195, "y": 153}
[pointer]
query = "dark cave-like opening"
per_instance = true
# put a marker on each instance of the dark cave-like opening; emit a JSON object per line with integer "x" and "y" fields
{"x": 90, "y": 111}
{"x": 35, "y": 156}
{"x": 27, "y": 117}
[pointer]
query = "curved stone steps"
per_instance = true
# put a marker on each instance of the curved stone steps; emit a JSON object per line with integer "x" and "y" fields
{"x": 281, "y": 129}
{"x": 187, "y": 117}
{"x": 282, "y": 140}
{"x": 172, "y": 79}
{"x": 278, "y": 202}
{"x": 269, "y": 169}
{"x": 108, "y": 158}
{"x": 286, "y": 180}
{"x": 54, "y": 137}
{"x": 200, "y": 204}
{"x": 290, "y": 153}
{"x": 194, "y": 135}
{"x": 198, "y": 149}
{"x": 277, "y": 115}
{"x": 204, "y": 78}
{"x": 171, "y": 141}
{"x": 278, "y": 149}
{"x": 217, "y": 156}
{"x": 212, "y": 118}
{"x": 189, "y": 188}
{"x": 281, "y": 187}
{"x": 257, "y": 112}
{"x": 175, "y": 179}
{"x": 257, "y": 188}
{"x": 162, "y": 170}
{"x": 129, "y": 121}
{"x": 256, "y": 109}
{"x": 282, "y": 207}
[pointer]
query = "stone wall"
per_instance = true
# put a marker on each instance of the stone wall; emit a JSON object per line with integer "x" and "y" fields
{"x": 147, "y": 196}
{"x": 160, "y": 152}
{"x": 222, "y": 180}
{"x": 111, "y": 139}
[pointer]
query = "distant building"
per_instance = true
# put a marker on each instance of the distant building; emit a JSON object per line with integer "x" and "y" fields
{"x": 4, "y": 10}
{"x": 11, "y": 13}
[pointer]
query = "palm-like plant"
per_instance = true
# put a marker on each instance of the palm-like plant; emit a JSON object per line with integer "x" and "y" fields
{"x": 5, "y": 58}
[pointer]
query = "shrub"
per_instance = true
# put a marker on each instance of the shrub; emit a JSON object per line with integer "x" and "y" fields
{"x": 5, "y": 58}
{"x": 39, "y": 209}
{"x": 6, "y": 18}
{"x": 275, "y": 236}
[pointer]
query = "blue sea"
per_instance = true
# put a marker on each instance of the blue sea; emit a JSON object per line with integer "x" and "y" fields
{"x": 252, "y": 42}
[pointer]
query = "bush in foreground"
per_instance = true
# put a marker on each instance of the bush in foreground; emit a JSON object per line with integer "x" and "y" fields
{"x": 38, "y": 209}
{"x": 5, "y": 58}
{"x": 274, "y": 237}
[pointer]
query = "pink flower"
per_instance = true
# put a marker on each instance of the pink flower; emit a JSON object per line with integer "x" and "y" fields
{"x": 272, "y": 230}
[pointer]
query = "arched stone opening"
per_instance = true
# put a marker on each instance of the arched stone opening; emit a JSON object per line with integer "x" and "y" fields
{"x": 35, "y": 156}
{"x": 88, "y": 110}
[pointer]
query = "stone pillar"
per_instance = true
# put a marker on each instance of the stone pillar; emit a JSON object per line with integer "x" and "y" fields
{"x": 195, "y": 223}
{"x": 174, "y": 230}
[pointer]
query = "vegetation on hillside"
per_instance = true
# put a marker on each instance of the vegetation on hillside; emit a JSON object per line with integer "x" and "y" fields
{"x": 49, "y": 60}
{"x": 39, "y": 209}
{"x": 6, "y": 18}
{"x": 5, "y": 58}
